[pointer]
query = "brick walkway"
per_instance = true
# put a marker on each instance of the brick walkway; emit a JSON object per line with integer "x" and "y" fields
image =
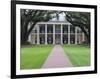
{"x": 57, "y": 58}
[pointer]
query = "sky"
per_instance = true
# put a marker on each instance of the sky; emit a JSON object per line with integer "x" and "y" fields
{"x": 61, "y": 17}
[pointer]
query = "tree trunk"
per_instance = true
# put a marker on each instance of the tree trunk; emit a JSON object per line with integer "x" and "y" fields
{"x": 24, "y": 36}
{"x": 25, "y": 33}
{"x": 87, "y": 34}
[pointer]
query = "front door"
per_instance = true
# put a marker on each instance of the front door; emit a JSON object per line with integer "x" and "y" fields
{"x": 57, "y": 39}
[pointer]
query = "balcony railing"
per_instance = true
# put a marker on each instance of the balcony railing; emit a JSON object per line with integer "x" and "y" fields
{"x": 42, "y": 31}
{"x": 57, "y": 31}
{"x": 64, "y": 31}
{"x": 50, "y": 31}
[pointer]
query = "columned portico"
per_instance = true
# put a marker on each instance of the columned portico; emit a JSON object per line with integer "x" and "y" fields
{"x": 56, "y": 33}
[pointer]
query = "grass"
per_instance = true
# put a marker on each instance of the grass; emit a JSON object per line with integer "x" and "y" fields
{"x": 33, "y": 57}
{"x": 79, "y": 55}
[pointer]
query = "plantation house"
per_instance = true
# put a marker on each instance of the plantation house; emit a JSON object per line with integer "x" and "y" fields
{"x": 56, "y": 32}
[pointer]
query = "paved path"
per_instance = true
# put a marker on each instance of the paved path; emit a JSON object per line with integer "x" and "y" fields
{"x": 57, "y": 58}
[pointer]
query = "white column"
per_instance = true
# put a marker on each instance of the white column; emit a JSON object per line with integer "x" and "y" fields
{"x": 68, "y": 34}
{"x": 53, "y": 33}
{"x": 45, "y": 33}
{"x": 79, "y": 36}
{"x": 83, "y": 37}
{"x": 33, "y": 38}
{"x": 38, "y": 39}
{"x": 75, "y": 35}
{"x": 61, "y": 34}
{"x": 29, "y": 38}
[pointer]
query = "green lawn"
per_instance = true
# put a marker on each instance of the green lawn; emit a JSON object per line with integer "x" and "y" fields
{"x": 33, "y": 57}
{"x": 79, "y": 55}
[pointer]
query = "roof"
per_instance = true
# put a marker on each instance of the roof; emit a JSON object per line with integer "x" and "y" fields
{"x": 55, "y": 22}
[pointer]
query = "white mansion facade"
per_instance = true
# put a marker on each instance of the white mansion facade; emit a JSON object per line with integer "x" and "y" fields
{"x": 56, "y": 33}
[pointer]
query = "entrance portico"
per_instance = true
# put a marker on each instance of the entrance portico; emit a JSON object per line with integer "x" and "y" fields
{"x": 56, "y": 33}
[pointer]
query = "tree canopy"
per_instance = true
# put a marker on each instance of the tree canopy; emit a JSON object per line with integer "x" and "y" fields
{"x": 81, "y": 20}
{"x": 32, "y": 17}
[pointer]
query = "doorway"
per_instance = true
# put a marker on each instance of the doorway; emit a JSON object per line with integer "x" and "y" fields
{"x": 57, "y": 39}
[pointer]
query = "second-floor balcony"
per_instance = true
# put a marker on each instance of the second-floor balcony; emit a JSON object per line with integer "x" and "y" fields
{"x": 42, "y": 31}
{"x": 57, "y": 31}
{"x": 50, "y": 31}
{"x": 65, "y": 31}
